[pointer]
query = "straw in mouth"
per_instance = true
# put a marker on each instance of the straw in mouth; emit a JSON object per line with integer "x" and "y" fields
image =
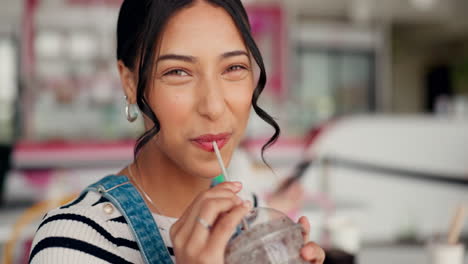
{"x": 220, "y": 161}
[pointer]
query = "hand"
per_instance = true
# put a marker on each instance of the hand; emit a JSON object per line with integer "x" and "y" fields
{"x": 310, "y": 252}
{"x": 221, "y": 208}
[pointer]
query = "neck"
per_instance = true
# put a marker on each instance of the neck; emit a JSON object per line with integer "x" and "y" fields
{"x": 171, "y": 189}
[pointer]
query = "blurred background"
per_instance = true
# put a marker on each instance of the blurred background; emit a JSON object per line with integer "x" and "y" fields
{"x": 371, "y": 95}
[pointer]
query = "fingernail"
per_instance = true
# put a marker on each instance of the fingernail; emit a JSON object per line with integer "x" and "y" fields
{"x": 238, "y": 185}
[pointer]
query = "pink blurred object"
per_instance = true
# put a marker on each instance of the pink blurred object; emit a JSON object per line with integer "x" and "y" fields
{"x": 26, "y": 249}
{"x": 38, "y": 178}
{"x": 60, "y": 153}
{"x": 269, "y": 31}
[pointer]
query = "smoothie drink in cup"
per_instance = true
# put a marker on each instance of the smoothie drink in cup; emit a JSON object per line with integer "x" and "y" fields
{"x": 265, "y": 236}
{"x": 270, "y": 237}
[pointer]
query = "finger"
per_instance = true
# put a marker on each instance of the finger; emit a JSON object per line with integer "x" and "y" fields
{"x": 210, "y": 211}
{"x": 306, "y": 228}
{"x": 222, "y": 190}
{"x": 183, "y": 230}
{"x": 313, "y": 253}
{"x": 193, "y": 211}
{"x": 219, "y": 190}
{"x": 234, "y": 186}
{"x": 215, "y": 194}
{"x": 225, "y": 227}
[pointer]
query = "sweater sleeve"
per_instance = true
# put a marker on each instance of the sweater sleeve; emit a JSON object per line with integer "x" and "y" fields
{"x": 78, "y": 234}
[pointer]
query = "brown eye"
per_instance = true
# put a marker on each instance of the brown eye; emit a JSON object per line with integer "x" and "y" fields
{"x": 236, "y": 68}
{"x": 176, "y": 76}
{"x": 176, "y": 72}
{"x": 235, "y": 72}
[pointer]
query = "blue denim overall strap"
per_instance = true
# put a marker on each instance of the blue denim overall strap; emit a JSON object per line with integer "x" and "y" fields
{"x": 123, "y": 195}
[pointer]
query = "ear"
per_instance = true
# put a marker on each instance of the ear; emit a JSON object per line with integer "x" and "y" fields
{"x": 128, "y": 80}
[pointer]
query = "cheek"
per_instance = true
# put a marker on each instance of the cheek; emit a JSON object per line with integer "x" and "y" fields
{"x": 172, "y": 107}
{"x": 240, "y": 100}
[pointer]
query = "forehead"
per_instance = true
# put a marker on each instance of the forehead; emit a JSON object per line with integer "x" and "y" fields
{"x": 200, "y": 28}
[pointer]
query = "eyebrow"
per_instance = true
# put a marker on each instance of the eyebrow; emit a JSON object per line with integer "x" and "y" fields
{"x": 192, "y": 59}
{"x": 234, "y": 53}
{"x": 177, "y": 57}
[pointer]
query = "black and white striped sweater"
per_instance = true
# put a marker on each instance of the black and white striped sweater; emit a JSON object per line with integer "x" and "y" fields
{"x": 90, "y": 230}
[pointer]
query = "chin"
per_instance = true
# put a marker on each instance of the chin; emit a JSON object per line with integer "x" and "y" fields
{"x": 203, "y": 164}
{"x": 207, "y": 170}
{"x": 209, "y": 173}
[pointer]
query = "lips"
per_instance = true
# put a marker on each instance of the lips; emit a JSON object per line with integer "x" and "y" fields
{"x": 205, "y": 142}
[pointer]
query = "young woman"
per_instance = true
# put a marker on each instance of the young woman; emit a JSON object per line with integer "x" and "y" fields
{"x": 189, "y": 67}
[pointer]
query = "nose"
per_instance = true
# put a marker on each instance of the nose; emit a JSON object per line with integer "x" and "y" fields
{"x": 211, "y": 102}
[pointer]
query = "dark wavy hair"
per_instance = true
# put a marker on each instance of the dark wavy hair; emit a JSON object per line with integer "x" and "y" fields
{"x": 139, "y": 27}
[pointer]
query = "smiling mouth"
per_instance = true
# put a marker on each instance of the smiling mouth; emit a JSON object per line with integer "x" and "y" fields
{"x": 205, "y": 142}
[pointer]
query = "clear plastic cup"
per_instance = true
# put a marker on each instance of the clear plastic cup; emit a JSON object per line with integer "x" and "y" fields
{"x": 267, "y": 236}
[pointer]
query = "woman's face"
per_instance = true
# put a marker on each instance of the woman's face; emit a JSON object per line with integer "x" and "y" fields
{"x": 202, "y": 88}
